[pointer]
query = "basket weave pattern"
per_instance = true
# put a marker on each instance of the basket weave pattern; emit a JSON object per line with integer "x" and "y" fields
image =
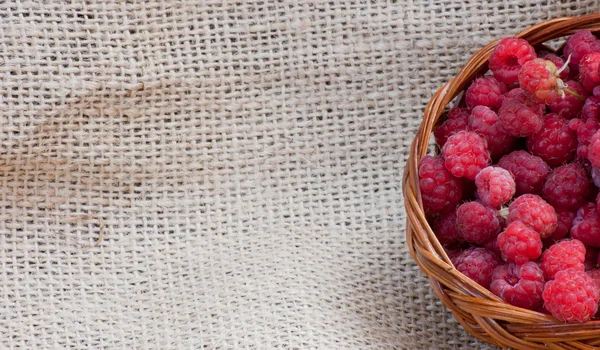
{"x": 479, "y": 311}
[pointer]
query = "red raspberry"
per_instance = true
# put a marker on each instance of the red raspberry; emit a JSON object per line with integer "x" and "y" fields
{"x": 508, "y": 57}
{"x": 446, "y": 230}
{"x": 585, "y": 130}
{"x": 440, "y": 190}
{"x": 596, "y": 91}
{"x": 528, "y": 170}
{"x": 478, "y": 264}
{"x": 519, "y": 243}
{"x": 588, "y": 70}
{"x": 566, "y": 187}
{"x": 595, "y": 276}
{"x": 519, "y": 285}
{"x": 485, "y": 91}
{"x": 477, "y": 223}
{"x": 556, "y": 143}
{"x": 591, "y": 108}
{"x": 565, "y": 222}
{"x": 485, "y": 122}
{"x": 567, "y": 105}
{"x": 458, "y": 120}
{"x": 520, "y": 118}
{"x": 586, "y": 212}
{"x": 465, "y": 154}
{"x": 558, "y": 62}
{"x": 578, "y": 45}
{"x": 572, "y": 296}
{"x": 587, "y": 230}
{"x": 538, "y": 77}
{"x": 591, "y": 258}
{"x": 594, "y": 150}
{"x": 534, "y": 212}
{"x": 495, "y": 186}
{"x": 563, "y": 255}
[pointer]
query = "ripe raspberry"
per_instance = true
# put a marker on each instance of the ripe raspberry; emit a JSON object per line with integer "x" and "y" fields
{"x": 519, "y": 285}
{"x": 519, "y": 243}
{"x": 586, "y": 212}
{"x": 495, "y": 186}
{"x": 567, "y": 105}
{"x": 446, "y": 230}
{"x": 578, "y": 45}
{"x": 591, "y": 108}
{"x": 465, "y": 154}
{"x": 594, "y": 150}
{"x": 458, "y": 120}
{"x": 508, "y": 57}
{"x": 477, "y": 223}
{"x": 440, "y": 190}
{"x": 572, "y": 296}
{"x": 485, "y": 91}
{"x": 588, "y": 70}
{"x": 485, "y": 122}
{"x": 595, "y": 276}
{"x": 596, "y": 91}
{"x": 558, "y": 62}
{"x": 528, "y": 170}
{"x": 566, "y": 187}
{"x": 585, "y": 130}
{"x": 587, "y": 230}
{"x": 533, "y": 212}
{"x": 563, "y": 255}
{"x": 538, "y": 77}
{"x": 478, "y": 264}
{"x": 556, "y": 143}
{"x": 565, "y": 222}
{"x": 520, "y": 118}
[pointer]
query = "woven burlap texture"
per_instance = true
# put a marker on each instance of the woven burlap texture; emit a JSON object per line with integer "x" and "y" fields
{"x": 223, "y": 174}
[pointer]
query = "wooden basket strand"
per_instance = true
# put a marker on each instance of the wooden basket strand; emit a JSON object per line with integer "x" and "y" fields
{"x": 479, "y": 311}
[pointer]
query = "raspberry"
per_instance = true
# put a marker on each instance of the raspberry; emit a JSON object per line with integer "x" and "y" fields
{"x": 563, "y": 255}
{"x": 585, "y": 130}
{"x": 591, "y": 108}
{"x": 572, "y": 296}
{"x": 596, "y": 91}
{"x": 591, "y": 258}
{"x": 458, "y": 119}
{"x": 508, "y": 57}
{"x": 558, "y": 62}
{"x": 587, "y": 230}
{"x": 495, "y": 186}
{"x": 567, "y": 105}
{"x": 538, "y": 77}
{"x": 477, "y": 223}
{"x": 519, "y": 243}
{"x": 566, "y": 187}
{"x": 594, "y": 150}
{"x": 440, "y": 190}
{"x": 520, "y": 118}
{"x": 521, "y": 286}
{"x": 595, "y": 276}
{"x": 586, "y": 212}
{"x": 528, "y": 170}
{"x": 533, "y": 212}
{"x": 485, "y": 122}
{"x": 565, "y": 222}
{"x": 478, "y": 264}
{"x": 485, "y": 91}
{"x": 588, "y": 70}
{"x": 595, "y": 174}
{"x": 556, "y": 143}
{"x": 446, "y": 230}
{"x": 578, "y": 45}
{"x": 465, "y": 154}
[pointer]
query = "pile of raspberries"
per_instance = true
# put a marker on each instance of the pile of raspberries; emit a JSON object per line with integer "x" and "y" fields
{"x": 513, "y": 195}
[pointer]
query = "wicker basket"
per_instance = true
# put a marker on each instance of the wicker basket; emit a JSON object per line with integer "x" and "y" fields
{"x": 479, "y": 311}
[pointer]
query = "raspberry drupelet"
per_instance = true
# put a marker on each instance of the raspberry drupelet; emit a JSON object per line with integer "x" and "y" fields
{"x": 572, "y": 296}
{"x": 477, "y": 223}
{"x": 478, "y": 264}
{"x": 508, "y": 57}
{"x": 465, "y": 154}
{"x": 495, "y": 186}
{"x": 528, "y": 170}
{"x": 519, "y": 285}
{"x": 485, "y": 91}
{"x": 440, "y": 190}
{"x": 556, "y": 143}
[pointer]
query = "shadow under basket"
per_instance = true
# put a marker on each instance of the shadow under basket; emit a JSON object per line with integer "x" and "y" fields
{"x": 479, "y": 311}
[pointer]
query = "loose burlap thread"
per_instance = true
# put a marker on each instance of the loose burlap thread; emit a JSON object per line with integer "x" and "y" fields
{"x": 223, "y": 174}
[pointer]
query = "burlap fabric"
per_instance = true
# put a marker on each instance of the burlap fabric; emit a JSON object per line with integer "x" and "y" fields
{"x": 223, "y": 174}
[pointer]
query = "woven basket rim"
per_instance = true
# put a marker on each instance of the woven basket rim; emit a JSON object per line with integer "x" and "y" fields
{"x": 479, "y": 311}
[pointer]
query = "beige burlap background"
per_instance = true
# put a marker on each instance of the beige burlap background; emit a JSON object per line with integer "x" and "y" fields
{"x": 242, "y": 159}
